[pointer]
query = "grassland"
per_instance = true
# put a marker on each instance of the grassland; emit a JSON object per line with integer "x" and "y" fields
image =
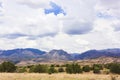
{"x": 60, "y": 76}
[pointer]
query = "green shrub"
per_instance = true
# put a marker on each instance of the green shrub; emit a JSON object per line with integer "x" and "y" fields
{"x": 73, "y": 68}
{"x": 52, "y": 70}
{"x": 86, "y": 68}
{"x": 115, "y": 68}
{"x": 98, "y": 66}
{"x": 39, "y": 69}
{"x": 21, "y": 70}
{"x": 7, "y": 67}
{"x": 96, "y": 70}
{"x": 60, "y": 69}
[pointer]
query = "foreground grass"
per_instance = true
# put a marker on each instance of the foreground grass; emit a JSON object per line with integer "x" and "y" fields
{"x": 62, "y": 76}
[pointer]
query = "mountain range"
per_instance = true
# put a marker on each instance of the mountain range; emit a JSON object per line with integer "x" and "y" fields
{"x": 36, "y": 55}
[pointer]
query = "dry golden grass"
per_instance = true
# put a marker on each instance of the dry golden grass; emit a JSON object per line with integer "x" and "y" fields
{"x": 62, "y": 76}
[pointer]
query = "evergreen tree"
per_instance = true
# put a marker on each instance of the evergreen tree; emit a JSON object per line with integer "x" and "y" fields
{"x": 21, "y": 69}
{"x": 60, "y": 69}
{"x": 52, "y": 70}
{"x": 73, "y": 68}
{"x": 96, "y": 70}
{"x": 1, "y": 68}
{"x": 7, "y": 67}
{"x": 98, "y": 66}
{"x": 38, "y": 68}
{"x": 86, "y": 68}
{"x": 115, "y": 68}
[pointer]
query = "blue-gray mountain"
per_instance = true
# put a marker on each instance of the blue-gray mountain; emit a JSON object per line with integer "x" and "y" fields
{"x": 58, "y": 55}
{"x": 54, "y": 55}
{"x": 91, "y": 54}
{"x": 20, "y": 54}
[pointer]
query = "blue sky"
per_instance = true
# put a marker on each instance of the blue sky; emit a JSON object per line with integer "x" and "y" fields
{"x": 72, "y": 25}
{"x": 56, "y": 9}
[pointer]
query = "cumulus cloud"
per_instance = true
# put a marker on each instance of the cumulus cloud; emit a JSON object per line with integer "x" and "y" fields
{"x": 72, "y": 25}
{"x": 111, "y": 8}
{"x": 12, "y": 36}
{"x": 35, "y": 3}
{"x": 116, "y": 25}
{"x": 33, "y": 26}
{"x": 77, "y": 27}
{"x": 79, "y": 19}
{"x": 1, "y": 4}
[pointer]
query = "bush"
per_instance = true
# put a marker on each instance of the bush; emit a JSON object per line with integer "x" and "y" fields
{"x": 64, "y": 65}
{"x": 39, "y": 69}
{"x": 98, "y": 66}
{"x": 53, "y": 65}
{"x": 52, "y": 70}
{"x": 108, "y": 65}
{"x": 57, "y": 65}
{"x": 115, "y": 68}
{"x": 29, "y": 66}
{"x": 96, "y": 70}
{"x": 21, "y": 70}
{"x": 86, "y": 68}
{"x": 7, "y": 67}
{"x": 60, "y": 69}
{"x": 73, "y": 68}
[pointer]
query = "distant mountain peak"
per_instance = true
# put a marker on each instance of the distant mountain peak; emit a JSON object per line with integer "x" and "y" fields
{"x": 20, "y": 54}
{"x": 36, "y": 55}
{"x": 91, "y": 54}
{"x": 58, "y": 55}
{"x": 60, "y": 52}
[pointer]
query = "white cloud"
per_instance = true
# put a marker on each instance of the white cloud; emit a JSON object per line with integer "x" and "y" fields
{"x": 35, "y": 3}
{"x": 23, "y": 23}
{"x": 111, "y": 7}
{"x": 74, "y": 27}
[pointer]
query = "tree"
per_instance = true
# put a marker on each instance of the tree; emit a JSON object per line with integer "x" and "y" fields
{"x": 21, "y": 69}
{"x": 52, "y": 65}
{"x": 73, "y": 68}
{"x": 96, "y": 70}
{"x": 98, "y": 66}
{"x": 7, "y": 67}
{"x": 52, "y": 70}
{"x": 57, "y": 65}
{"x": 60, "y": 69}
{"x": 2, "y": 68}
{"x": 86, "y": 68}
{"x": 38, "y": 68}
{"x": 115, "y": 68}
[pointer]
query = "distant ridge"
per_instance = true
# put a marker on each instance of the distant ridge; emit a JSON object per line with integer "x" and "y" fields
{"x": 20, "y": 54}
{"x": 91, "y": 54}
{"x": 36, "y": 55}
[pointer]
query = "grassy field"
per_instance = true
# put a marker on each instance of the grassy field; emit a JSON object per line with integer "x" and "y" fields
{"x": 62, "y": 76}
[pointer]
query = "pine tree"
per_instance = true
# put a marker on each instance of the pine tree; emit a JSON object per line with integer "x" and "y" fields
{"x": 7, "y": 67}
{"x": 96, "y": 70}
{"x": 86, "y": 68}
{"x": 115, "y": 68}
{"x": 73, "y": 68}
{"x": 60, "y": 69}
{"x": 38, "y": 68}
{"x": 52, "y": 70}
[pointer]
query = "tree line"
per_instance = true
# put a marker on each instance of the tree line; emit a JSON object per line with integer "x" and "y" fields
{"x": 73, "y": 68}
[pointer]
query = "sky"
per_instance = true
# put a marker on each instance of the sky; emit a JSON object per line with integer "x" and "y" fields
{"x": 72, "y": 25}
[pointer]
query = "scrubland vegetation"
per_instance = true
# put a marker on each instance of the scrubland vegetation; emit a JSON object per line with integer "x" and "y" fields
{"x": 71, "y": 71}
{"x": 57, "y": 76}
